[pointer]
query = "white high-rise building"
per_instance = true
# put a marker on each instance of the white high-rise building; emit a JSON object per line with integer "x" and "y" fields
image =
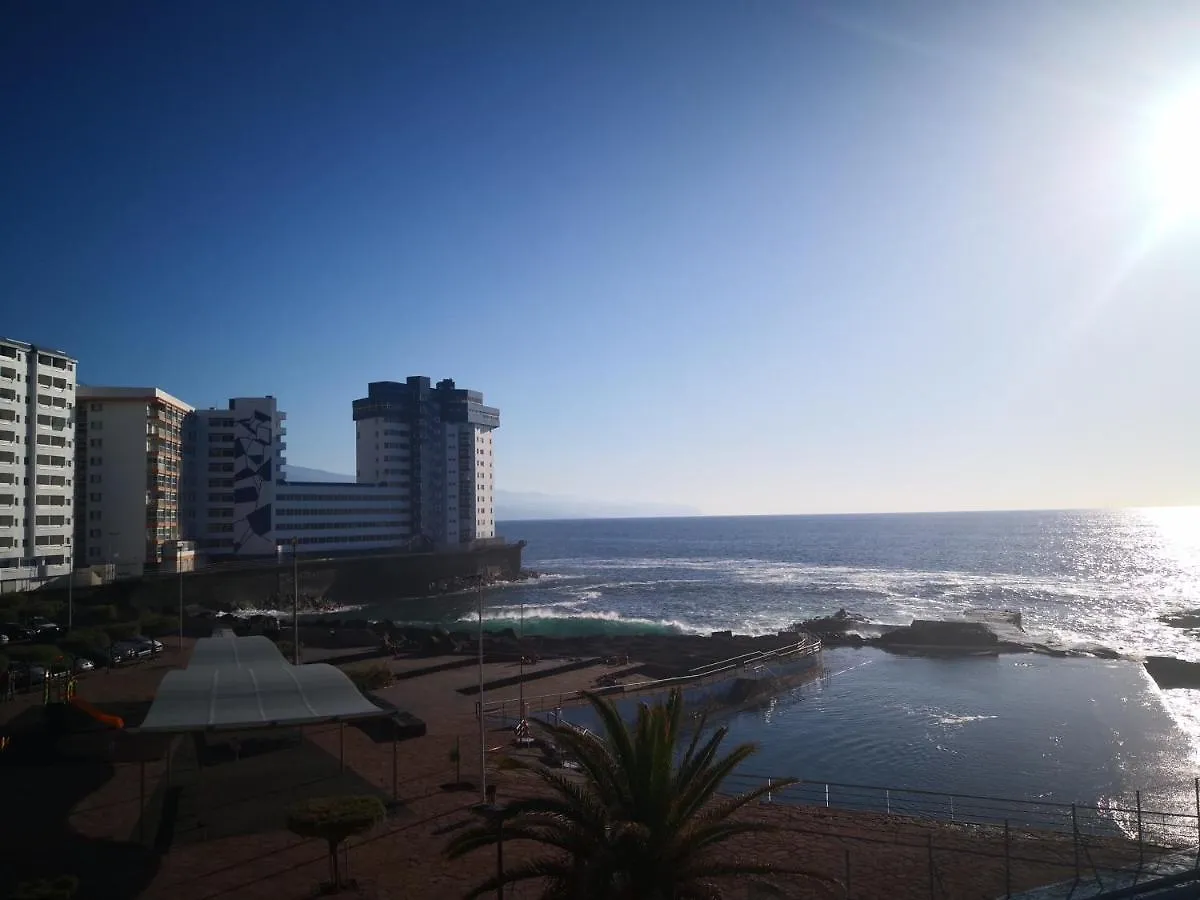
{"x": 37, "y": 465}
{"x": 434, "y": 444}
{"x": 129, "y": 463}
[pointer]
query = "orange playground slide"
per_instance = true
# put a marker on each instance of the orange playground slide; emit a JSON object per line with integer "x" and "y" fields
{"x": 111, "y": 721}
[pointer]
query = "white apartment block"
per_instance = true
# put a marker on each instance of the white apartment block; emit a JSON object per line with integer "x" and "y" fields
{"x": 129, "y": 463}
{"x": 156, "y": 477}
{"x": 37, "y": 466}
{"x": 434, "y": 444}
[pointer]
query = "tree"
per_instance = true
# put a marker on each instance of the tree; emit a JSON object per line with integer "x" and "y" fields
{"x": 642, "y": 823}
{"x": 333, "y": 820}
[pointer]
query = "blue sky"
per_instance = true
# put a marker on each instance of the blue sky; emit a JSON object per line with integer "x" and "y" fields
{"x": 750, "y": 257}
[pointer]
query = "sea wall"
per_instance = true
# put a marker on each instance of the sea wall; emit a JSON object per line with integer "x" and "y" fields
{"x": 322, "y": 582}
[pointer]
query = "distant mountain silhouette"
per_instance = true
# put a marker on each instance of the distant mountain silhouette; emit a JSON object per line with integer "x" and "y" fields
{"x": 515, "y": 505}
{"x": 512, "y": 505}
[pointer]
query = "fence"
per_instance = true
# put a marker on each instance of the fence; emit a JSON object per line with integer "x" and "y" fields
{"x": 1106, "y": 845}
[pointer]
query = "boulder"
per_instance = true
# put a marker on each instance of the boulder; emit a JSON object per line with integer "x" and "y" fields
{"x": 929, "y": 633}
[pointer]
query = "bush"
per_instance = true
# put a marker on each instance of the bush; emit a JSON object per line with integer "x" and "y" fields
{"x": 158, "y": 624}
{"x": 90, "y": 642}
{"x": 370, "y": 678}
{"x": 61, "y": 888}
{"x": 122, "y": 631}
{"x": 333, "y": 820}
{"x": 102, "y": 613}
{"x": 38, "y": 654}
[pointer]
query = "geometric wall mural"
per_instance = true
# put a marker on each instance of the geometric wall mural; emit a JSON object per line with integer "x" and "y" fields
{"x": 253, "y": 479}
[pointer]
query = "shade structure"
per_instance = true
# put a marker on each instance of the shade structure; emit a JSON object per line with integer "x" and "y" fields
{"x": 244, "y": 683}
{"x": 256, "y": 651}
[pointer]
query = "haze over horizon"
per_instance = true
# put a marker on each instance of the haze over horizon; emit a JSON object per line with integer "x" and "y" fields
{"x": 779, "y": 259}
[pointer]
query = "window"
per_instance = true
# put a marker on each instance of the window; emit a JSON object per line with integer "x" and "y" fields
{"x": 94, "y": 478}
{"x": 94, "y": 515}
{"x": 6, "y": 372}
{"x": 95, "y": 424}
{"x": 94, "y": 497}
{"x": 96, "y": 443}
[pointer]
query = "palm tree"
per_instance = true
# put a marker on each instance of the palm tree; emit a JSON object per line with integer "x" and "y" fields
{"x": 642, "y": 823}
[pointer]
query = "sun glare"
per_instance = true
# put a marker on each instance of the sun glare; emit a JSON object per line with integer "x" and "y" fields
{"x": 1175, "y": 155}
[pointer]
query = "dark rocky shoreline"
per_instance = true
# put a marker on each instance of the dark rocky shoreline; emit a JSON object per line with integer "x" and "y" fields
{"x": 981, "y": 632}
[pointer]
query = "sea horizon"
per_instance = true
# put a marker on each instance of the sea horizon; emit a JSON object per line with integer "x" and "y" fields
{"x": 919, "y": 512}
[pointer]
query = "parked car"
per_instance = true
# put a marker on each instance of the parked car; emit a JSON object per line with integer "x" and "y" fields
{"x": 149, "y": 644}
{"x": 128, "y": 651}
{"x": 82, "y": 664}
{"x": 15, "y": 632}
{"x": 42, "y": 625}
{"x": 26, "y": 675}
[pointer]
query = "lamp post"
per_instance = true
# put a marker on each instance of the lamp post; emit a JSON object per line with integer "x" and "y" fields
{"x": 179, "y": 566}
{"x": 71, "y": 595}
{"x": 521, "y": 683}
{"x": 295, "y": 602}
{"x": 482, "y": 730}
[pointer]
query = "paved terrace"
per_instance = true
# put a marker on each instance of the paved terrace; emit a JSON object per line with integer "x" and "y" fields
{"x": 87, "y": 822}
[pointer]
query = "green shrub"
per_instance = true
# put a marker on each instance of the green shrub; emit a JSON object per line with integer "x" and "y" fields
{"x": 39, "y": 654}
{"x": 157, "y": 624}
{"x": 89, "y": 642}
{"x": 61, "y": 888}
{"x": 333, "y": 820}
{"x": 122, "y": 631}
{"x": 46, "y": 609}
{"x": 370, "y": 678}
{"x": 102, "y": 613}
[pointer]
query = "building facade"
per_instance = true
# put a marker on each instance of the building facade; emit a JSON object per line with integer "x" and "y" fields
{"x": 37, "y": 465}
{"x": 433, "y": 444}
{"x": 233, "y": 459}
{"x": 129, "y": 490}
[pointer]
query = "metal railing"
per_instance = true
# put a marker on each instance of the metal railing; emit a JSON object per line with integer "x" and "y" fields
{"x": 1130, "y": 818}
{"x": 508, "y": 710}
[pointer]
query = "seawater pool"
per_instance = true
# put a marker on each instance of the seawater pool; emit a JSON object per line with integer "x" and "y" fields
{"x": 1019, "y": 726}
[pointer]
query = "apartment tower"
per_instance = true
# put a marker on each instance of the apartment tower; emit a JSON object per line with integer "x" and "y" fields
{"x": 433, "y": 444}
{"x": 129, "y": 460}
{"x": 37, "y": 466}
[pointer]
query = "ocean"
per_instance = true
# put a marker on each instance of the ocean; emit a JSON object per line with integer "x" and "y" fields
{"x": 1029, "y": 726}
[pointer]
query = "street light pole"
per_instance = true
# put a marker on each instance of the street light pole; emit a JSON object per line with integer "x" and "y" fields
{"x": 179, "y": 566}
{"x": 482, "y": 730}
{"x": 71, "y": 595}
{"x": 295, "y": 602}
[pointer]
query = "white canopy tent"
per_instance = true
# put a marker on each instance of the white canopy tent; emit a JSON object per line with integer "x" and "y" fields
{"x": 237, "y": 684}
{"x": 240, "y": 697}
{"x": 226, "y": 649}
